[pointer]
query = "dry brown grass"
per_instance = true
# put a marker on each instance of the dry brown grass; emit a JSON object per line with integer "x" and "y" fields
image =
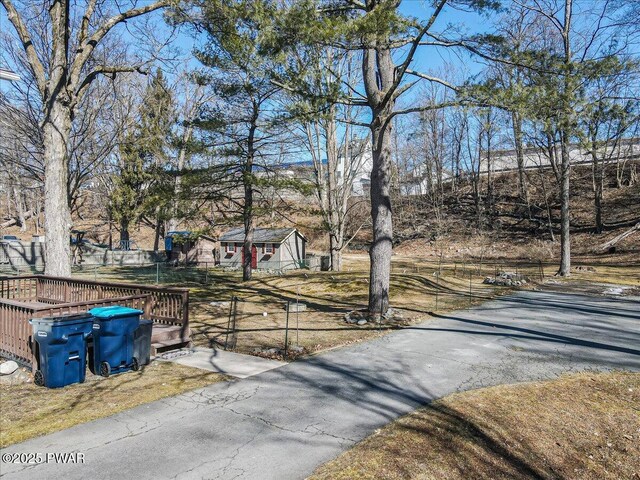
{"x": 328, "y": 297}
{"x": 416, "y": 290}
{"x": 584, "y": 426}
{"x": 29, "y": 411}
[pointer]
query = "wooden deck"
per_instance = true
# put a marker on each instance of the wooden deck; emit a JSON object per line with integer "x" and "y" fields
{"x": 34, "y": 305}
{"x": 37, "y": 296}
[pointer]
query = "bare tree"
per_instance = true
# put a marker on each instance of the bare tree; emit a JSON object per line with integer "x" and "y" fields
{"x": 336, "y": 162}
{"x": 607, "y": 121}
{"x": 64, "y": 69}
{"x": 572, "y": 43}
{"x": 334, "y": 177}
{"x": 193, "y": 96}
{"x": 384, "y": 82}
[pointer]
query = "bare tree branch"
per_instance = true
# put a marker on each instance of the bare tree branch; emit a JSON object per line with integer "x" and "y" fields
{"x": 88, "y": 46}
{"x": 34, "y": 62}
{"x": 433, "y": 79}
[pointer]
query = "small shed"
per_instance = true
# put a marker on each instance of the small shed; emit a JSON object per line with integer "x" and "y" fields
{"x": 187, "y": 247}
{"x": 273, "y": 248}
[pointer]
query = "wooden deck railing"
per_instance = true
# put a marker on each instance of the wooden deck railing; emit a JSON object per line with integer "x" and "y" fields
{"x": 34, "y": 296}
{"x": 15, "y": 334}
{"x": 168, "y": 305}
{"x": 19, "y": 288}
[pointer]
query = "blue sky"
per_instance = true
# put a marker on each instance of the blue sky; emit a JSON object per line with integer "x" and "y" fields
{"x": 426, "y": 58}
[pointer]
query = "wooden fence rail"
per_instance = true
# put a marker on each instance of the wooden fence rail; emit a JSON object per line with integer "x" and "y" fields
{"x": 15, "y": 337}
{"x": 18, "y": 288}
{"x": 37, "y": 296}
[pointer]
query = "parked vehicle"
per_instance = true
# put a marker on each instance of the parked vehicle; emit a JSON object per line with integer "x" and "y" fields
{"x": 10, "y": 238}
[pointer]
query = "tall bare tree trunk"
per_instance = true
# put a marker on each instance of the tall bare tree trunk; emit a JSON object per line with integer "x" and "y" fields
{"x": 475, "y": 178}
{"x": 331, "y": 147}
{"x": 552, "y": 154}
{"x": 174, "y": 222}
{"x": 565, "y": 214}
{"x": 110, "y": 239}
{"x": 546, "y": 203}
{"x": 597, "y": 194}
{"x": 157, "y": 233}
{"x": 381, "y": 79}
{"x": 20, "y": 208}
{"x": 249, "y": 227}
{"x": 381, "y": 215}
{"x": 489, "y": 199}
{"x": 247, "y": 211}
{"x": 598, "y": 179}
{"x": 378, "y": 75}
{"x": 62, "y": 81}
{"x": 517, "y": 138}
{"x": 57, "y": 215}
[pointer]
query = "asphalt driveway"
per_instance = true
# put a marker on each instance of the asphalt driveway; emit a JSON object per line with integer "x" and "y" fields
{"x": 283, "y": 423}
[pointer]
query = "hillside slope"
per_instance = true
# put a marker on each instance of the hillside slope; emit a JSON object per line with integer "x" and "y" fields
{"x": 452, "y": 225}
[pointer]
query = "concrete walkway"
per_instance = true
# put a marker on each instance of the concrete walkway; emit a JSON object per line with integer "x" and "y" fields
{"x": 219, "y": 361}
{"x": 283, "y": 423}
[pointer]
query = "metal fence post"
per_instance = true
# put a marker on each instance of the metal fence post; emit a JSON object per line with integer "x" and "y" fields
{"x": 226, "y": 340}
{"x": 380, "y": 316}
{"x": 437, "y": 288}
{"x": 286, "y": 334}
{"x": 541, "y": 268}
{"x": 298, "y": 317}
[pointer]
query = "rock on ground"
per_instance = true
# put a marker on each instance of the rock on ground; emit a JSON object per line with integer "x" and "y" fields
{"x": 7, "y": 368}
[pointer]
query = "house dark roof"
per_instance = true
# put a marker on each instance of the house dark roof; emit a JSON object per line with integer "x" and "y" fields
{"x": 260, "y": 235}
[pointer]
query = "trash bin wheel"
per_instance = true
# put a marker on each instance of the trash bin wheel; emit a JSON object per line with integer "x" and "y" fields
{"x": 135, "y": 364}
{"x": 105, "y": 369}
{"x": 38, "y": 378}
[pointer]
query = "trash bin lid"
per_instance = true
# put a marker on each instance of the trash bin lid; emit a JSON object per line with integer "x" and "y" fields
{"x": 114, "y": 312}
{"x": 66, "y": 318}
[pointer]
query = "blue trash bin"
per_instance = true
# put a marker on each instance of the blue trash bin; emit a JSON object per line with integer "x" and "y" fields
{"x": 61, "y": 344}
{"x": 142, "y": 342}
{"x": 113, "y": 339}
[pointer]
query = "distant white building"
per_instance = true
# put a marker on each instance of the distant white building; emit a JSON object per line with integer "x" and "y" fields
{"x": 506, "y": 160}
{"x": 356, "y": 170}
{"x": 414, "y": 181}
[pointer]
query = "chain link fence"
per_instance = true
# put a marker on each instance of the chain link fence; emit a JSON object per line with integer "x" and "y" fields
{"x": 289, "y": 313}
{"x": 275, "y": 329}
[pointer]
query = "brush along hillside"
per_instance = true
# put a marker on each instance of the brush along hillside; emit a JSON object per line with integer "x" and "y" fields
{"x": 464, "y": 219}
{"x": 497, "y": 223}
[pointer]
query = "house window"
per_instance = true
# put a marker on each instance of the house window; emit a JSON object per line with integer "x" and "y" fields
{"x": 231, "y": 248}
{"x": 268, "y": 248}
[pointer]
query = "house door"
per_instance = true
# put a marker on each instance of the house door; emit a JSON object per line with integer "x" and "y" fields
{"x": 254, "y": 257}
